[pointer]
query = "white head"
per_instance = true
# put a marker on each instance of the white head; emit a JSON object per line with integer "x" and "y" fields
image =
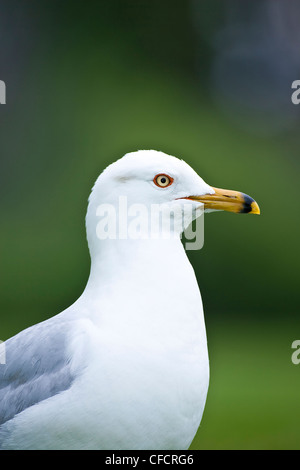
{"x": 149, "y": 177}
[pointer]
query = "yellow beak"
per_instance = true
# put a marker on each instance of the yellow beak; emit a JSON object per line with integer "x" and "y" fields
{"x": 227, "y": 200}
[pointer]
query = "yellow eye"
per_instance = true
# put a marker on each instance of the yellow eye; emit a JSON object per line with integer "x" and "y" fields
{"x": 163, "y": 180}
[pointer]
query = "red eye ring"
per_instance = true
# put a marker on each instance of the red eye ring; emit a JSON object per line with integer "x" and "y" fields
{"x": 162, "y": 180}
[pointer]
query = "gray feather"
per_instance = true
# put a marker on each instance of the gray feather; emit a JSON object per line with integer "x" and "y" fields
{"x": 37, "y": 367}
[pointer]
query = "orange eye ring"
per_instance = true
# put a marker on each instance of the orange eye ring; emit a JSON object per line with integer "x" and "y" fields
{"x": 162, "y": 180}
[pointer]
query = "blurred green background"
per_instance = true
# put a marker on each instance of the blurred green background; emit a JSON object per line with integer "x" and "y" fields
{"x": 209, "y": 82}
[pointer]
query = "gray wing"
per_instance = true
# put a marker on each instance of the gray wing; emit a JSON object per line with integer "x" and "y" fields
{"x": 36, "y": 367}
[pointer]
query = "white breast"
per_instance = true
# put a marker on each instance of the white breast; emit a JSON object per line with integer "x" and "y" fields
{"x": 148, "y": 368}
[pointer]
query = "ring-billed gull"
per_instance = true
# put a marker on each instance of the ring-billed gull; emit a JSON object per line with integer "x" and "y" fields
{"x": 126, "y": 366}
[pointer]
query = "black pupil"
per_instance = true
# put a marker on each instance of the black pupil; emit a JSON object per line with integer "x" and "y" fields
{"x": 163, "y": 180}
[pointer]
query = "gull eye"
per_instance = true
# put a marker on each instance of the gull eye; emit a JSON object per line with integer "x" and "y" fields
{"x": 163, "y": 180}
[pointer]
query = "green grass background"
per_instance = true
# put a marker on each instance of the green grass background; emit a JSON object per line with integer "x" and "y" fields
{"x": 254, "y": 388}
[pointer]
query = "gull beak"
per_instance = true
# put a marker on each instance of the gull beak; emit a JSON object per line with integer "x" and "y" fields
{"x": 227, "y": 200}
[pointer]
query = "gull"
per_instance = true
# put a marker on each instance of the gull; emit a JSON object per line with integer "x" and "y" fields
{"x": 126, "y": 365}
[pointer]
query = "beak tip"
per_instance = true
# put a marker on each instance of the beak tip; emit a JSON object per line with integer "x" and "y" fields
{"x": 255, "y": 208}
{"x": 249, "y": 205}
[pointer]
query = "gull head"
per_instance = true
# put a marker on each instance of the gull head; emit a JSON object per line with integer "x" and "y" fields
{"x": 149, "y": 179}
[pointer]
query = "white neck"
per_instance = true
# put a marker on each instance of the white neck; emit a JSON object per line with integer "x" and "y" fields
{"x": 155, "y": 288}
